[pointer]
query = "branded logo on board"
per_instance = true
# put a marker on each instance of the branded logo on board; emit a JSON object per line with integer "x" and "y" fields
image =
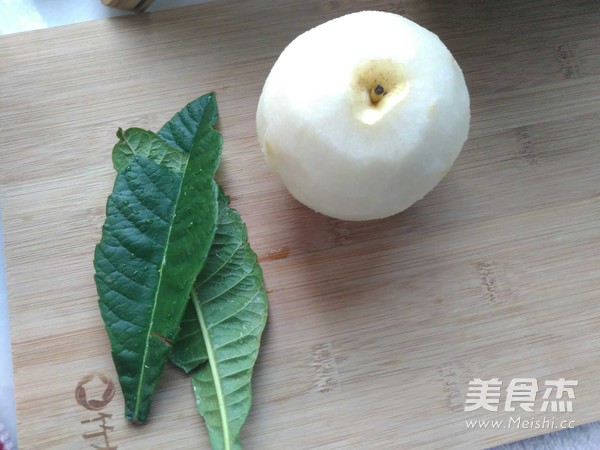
{"x": 94, "y": 392}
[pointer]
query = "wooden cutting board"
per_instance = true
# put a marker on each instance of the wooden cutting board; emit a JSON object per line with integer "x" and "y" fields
{"x": 376, "y": 328}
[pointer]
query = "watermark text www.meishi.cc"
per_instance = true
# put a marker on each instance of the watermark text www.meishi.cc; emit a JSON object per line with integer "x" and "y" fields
{"x": 519, "y": 422}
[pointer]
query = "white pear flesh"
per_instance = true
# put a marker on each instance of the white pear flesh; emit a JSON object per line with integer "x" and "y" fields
{"x": 340, "y": 149}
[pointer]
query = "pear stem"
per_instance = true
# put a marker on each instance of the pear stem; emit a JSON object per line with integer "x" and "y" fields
{"x": 377, "y": 93}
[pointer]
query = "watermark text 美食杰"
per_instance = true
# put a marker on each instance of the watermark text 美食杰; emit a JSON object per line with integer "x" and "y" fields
{"x": 521, "y": 396}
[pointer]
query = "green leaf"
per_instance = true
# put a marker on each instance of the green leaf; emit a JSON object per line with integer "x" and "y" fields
{"x": 189, "y": 350}
{"x": 180, "y": 130}
{"x": 136, "y": 141}
{"x": 160, "y": 224}
{"x": 230, "y": 305}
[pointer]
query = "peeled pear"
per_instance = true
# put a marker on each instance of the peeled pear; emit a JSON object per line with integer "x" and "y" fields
{"x": 363, "y": 115}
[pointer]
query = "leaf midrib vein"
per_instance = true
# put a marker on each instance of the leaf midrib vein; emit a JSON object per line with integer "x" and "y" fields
{"x": 214, "y": 371}
{"x": 162, "y": 265}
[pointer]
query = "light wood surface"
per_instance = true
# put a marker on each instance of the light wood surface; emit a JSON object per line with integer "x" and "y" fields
{"x": 375, "y": 328}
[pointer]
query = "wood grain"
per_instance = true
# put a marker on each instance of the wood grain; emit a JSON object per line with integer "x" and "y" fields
{"x": 376, "y": 327}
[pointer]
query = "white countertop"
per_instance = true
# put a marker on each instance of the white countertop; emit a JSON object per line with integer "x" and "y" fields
{"x": 26, "y": 15}
{"x": 7, "y": 397}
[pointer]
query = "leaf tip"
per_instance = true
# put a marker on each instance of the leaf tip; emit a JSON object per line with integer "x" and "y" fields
{"x": 135, "y": 419}
{"x": 213, "y": 108}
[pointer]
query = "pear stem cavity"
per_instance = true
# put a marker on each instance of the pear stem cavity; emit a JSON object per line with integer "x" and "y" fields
{"x": 377, "y": 94}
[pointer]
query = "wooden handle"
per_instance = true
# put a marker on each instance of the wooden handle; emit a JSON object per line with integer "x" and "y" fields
{"x": 128, "y": 5}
